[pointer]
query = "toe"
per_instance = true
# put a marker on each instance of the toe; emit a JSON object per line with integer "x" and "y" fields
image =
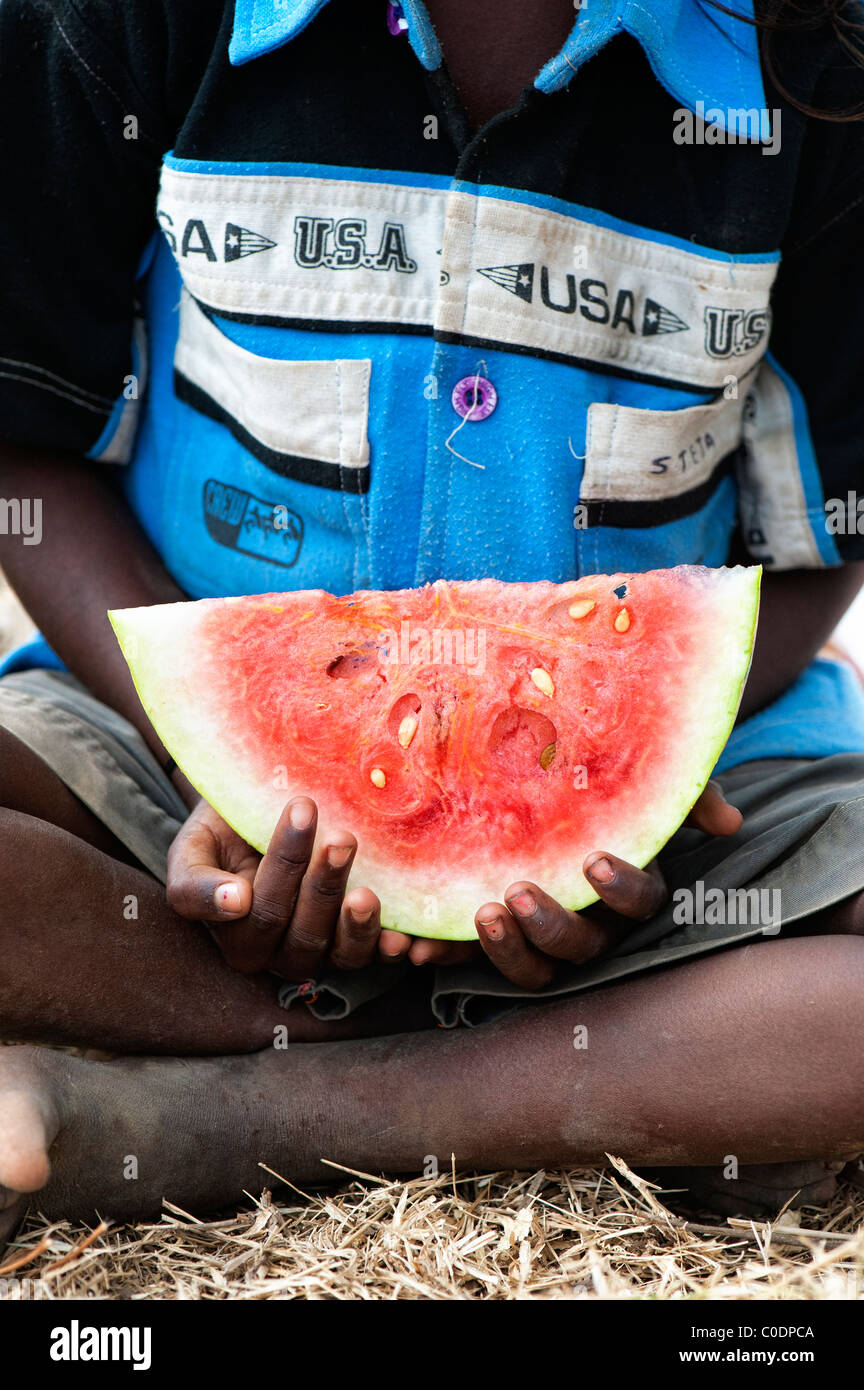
{"x": 24, "y": 1165}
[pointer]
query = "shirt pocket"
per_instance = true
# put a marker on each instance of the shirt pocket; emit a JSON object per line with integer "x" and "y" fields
{"x": 658, "y": 486}
{"x": 290, "y": 437}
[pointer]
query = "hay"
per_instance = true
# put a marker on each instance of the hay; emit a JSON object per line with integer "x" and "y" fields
{"x": 580, "y": 1234}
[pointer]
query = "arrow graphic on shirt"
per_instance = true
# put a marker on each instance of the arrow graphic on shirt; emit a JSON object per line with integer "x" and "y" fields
{"x": 239, "y": 241}
{"x": 518, "y": 279}
{"x": 657, "y": 319}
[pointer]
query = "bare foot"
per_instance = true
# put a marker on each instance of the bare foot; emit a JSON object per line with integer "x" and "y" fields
{"x": 760, "y": 1190}
{"x": 81, "y": 1137}
{"x": 28, "y": 1124}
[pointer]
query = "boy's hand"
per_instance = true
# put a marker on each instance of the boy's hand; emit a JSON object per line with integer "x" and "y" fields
{"x": 529, "y": 936}
{"x": 287, "y": 910}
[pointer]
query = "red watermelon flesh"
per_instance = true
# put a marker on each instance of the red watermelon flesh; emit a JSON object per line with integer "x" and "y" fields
{"x": 469, "y": 734}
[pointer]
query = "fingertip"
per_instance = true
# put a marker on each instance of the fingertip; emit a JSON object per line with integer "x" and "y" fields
{"x": 489, "y": 921}
{"x": 435, "y": 952}
{"x": 344, "y": 839}
{"x": 339, "y": 851}
{"x": 230, "y": 899}
{"x": 422, "y": 951}
{"x": 515, "y": 890}
{"x": 600, "y": 869}
{"x": 393, "y": 945}
{"x": 361, "y": 903}
{"x": 719, "y": 816}
{"x": 734, "y": 820}
{"x": 301, "y": 812}
{"x": 363, "y": 911}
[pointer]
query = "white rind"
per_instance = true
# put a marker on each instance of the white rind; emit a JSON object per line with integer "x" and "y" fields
{"x": 159, "y": 645}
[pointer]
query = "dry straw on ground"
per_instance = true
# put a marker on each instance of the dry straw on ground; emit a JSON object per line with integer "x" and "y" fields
{"x": 580, "y": 1234}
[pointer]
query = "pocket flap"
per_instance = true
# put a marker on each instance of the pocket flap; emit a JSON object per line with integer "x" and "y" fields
{"x": 291, "y": 410}
{"x": 635, "y": 455}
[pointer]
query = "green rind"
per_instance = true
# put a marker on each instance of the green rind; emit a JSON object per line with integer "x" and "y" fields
{"x": 214, "y": 789}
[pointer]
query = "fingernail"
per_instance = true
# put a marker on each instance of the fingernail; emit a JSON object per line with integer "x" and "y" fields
{"x": 338, "y": 855}
{"x": 302, "y": 813}
{"x": 601, "y": 871}
{"x": 494, "y": 928}
{"x": 361, "y": 918}
{"x": 524, "y": 904}
{"x": 228, "y": 897}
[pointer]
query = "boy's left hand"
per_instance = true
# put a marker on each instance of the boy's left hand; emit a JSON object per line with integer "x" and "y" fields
{"x": 528, "y": 937}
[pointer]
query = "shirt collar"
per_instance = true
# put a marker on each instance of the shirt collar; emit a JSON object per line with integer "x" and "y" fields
{"x": 704, "y": 57}
{"x": 262, "y": 25}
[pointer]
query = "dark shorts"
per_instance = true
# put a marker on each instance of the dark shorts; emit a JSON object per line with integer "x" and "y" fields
{"x": 800, "y": 849}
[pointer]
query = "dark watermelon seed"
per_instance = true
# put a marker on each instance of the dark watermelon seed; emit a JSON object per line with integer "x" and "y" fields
{"x": 547, "y": 755}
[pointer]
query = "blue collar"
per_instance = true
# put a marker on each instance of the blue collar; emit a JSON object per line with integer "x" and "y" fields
{"x": 702, "y": 56}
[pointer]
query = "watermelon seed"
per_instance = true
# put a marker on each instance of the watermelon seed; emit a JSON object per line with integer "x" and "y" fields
{"x": 547, "y": 755}
{"x": 377, "y": 777}
{"x": 581, "y": 608}
{"x": 622, "y": 622}
{"x": 407, "y": 730}
{"x": 543, "y": 681}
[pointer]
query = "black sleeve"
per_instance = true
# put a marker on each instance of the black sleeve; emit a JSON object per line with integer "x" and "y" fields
{"x": 90, "y": 94}
{"x": 818, "y": 304}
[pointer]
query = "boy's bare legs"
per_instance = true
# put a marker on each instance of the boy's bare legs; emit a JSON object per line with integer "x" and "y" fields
{"x": 79, "y": 969}
{"x": 756, "y": 1053}
{"x": 91, "y": 954}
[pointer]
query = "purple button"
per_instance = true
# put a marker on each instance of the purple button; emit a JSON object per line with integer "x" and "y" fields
{"x": 396, "y": 21}
{"x": 474, "y": 397}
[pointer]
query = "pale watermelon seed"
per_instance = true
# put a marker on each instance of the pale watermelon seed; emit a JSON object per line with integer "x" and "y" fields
{"x": 581, "y": 608}
{"x": 407, "y": 730}
{"x": 622, "y": 622}
{"x": 543, "y": 681}
{"x": 377, "y": 777}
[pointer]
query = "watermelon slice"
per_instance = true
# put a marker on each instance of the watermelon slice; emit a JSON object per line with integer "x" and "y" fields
{"x": 469, "y": 734}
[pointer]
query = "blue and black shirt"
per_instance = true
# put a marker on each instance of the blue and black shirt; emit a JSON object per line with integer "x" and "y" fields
{"x": 257, "y": 262}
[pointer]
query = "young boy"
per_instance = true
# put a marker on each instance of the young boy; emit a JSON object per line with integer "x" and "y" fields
{"x": 458, "y": 291}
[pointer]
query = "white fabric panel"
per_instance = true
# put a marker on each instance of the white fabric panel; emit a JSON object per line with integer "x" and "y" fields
{"x": 482, "y": 267}
{"x": 492, "y": 232}
{"x": 271, "y": 282}
{"x": 648, "y": 455}
{"x": 773, "y": 506}
{"x": 318, "y": 410}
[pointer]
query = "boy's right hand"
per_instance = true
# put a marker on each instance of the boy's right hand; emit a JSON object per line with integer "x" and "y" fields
{"x": 287, "y": 910}
{"x": 283, "y": 911}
